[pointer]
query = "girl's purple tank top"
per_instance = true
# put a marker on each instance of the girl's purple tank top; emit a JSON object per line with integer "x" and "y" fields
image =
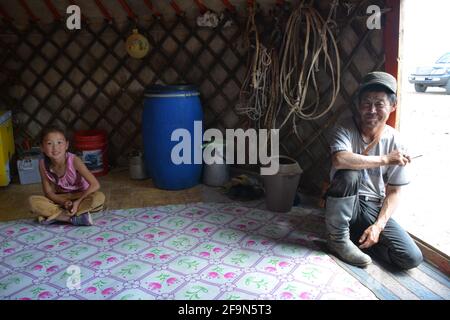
{"x": 71, "y": 181}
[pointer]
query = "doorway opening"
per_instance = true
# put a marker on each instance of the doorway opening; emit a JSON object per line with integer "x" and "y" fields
{"x": 425, "y": 121}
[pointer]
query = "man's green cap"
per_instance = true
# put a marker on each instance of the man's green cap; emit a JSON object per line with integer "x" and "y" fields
{"x": 380, "y": 78}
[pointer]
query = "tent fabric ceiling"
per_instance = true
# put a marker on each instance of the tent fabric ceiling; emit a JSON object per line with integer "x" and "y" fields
{"x": 90, "y": 9}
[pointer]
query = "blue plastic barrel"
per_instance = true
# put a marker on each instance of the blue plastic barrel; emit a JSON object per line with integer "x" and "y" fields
{"x": 167, "y": 108}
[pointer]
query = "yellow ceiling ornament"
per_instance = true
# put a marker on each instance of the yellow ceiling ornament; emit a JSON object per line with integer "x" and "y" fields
{"x": 137, "y": 45}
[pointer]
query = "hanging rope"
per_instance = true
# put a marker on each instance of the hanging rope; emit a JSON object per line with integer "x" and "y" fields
{"x": 285, "y": 74}
{"x": 300, "y": 63}
{"x": 252, "y": 98}
{"x": 259, "y": 96}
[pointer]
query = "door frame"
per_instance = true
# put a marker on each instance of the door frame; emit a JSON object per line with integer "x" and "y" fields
{"x": 392, "y": 40}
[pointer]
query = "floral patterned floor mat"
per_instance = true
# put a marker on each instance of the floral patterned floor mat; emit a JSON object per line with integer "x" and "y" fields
{"x": 206, "y": 251}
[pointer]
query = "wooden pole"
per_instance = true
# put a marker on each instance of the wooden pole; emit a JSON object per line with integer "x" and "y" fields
{"x": 391, "y": 34}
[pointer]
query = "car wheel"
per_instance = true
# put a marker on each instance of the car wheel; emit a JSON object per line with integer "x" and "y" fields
{"x": 420, "y": 87}
{"x": 447, "y": 87}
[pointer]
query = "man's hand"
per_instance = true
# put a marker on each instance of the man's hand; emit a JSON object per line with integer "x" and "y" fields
{"x": 397, "y": 157}
{"x": 370, "y": 236}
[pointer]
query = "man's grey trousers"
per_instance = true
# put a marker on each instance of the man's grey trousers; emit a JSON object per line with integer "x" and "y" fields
{"x": 395, "y": 246}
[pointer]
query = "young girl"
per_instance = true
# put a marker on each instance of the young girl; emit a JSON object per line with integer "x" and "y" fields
{"x": 70, "y": 188}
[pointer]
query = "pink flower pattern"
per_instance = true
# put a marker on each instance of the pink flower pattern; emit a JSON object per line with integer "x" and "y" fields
{"x": 44, "y": 295}
{"x": 154, "y": 286}
{"x": 95, "y": 264}
{"x": 52, "y": 269}
{"x": 270, "y": 269}
{"x": 90, "y": 290}
{"x": 229, "y": 275}
{"x": 250, "y": 243}
{"x": 305, "y": 296}
{"x": 286, "y": 295}
{"x": 111, "y": 260}
{"x": 108, "y": 291}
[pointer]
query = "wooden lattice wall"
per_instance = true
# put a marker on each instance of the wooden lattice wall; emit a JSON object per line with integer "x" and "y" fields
{"x": 85, "y": 79}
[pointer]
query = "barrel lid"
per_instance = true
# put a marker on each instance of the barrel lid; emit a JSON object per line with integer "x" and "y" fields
{"x": 90, "y": 133}
{"x": 157, "y": 88}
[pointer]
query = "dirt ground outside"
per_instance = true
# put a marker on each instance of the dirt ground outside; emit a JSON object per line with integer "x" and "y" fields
{"x": 425, "y": 128}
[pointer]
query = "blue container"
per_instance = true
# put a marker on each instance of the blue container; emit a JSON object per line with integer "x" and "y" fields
{"x": 166, "y": 109}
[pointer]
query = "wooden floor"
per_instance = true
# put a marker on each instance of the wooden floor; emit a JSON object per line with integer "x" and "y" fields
{"x": 121, "y": 193}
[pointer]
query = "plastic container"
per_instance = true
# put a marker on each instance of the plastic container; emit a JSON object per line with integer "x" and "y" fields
{"x": 137, "y": 166}
{"x": 166, "y": 109}
{"x": 281, "y": 187}
{"x": 216, "y": 174}
{"x": 92, "y": 147}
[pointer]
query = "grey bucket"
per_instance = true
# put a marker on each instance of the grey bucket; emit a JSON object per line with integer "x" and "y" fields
{"x": 137, "y": 166}
{"x": 281, "y": 187}
{"x": 218, "y": 173}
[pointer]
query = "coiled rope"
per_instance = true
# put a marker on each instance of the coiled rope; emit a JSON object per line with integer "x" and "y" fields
{"x": 296, "y": 77}
{"x": 270, "y": 83}
{"x": 259, "y": 95}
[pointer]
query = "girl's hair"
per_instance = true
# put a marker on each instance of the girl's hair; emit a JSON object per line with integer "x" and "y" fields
{"x": 47, "y": 161}
{"x": 51, "y": 129}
